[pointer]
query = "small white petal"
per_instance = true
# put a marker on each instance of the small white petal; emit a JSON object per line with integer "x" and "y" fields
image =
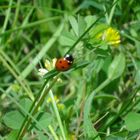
{"x": 42, "y": 72}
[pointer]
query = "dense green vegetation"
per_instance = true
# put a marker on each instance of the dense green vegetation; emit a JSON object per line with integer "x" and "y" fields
{"x": 98, "y": 98}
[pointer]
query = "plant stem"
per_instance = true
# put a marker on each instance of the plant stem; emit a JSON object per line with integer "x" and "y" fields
{"x": 34, "y": 109}
{"x": 12, "y": 98}
{"x": 16, "y": 77}
{"x": 88, "y": 29}
{"x": 112, "y": 11}
{"x": 16, "y": 13}
{"x": 53, "y": 133}
{"x": 99, "y": 88}
{"x": 57, "y": 115}
{"x": 42, "y": 52}
{"x": 29, "y": 25}
{"x": 6, "y": 18}
{"x": 87, "y": 109}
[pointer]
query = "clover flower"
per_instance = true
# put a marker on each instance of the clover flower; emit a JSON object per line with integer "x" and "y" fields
{"x": 49, "y": 65}
{"x": 111, "y": 36}
{"x": 60, "y": 106}
{"x": 49, "y": 100}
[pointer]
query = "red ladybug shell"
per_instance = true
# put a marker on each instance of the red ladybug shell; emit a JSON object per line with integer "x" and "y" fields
{"x": 62, "y": 64}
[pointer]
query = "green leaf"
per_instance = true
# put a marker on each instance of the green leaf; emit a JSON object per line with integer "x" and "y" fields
{"x": 137, "y": 107}
{"x": 90, "y": 3}
{"x": 81, "y": 25}
{"x": 132, "y": 121}
{"x": 44, "y": 119}
{"x": 107, "y": 62}
{"x": 95, "y": 36}
{"x": 94, "y": 68}
{"x": 97, "y": 29}
{"x": 117, "y": 67}
{"x": 137, "y": 77}
{"x": 90, "y": 20}
{"x": 74, "y": 24}
{"x": 89, "y": 130}
{"x": 104, "y": 96}
{"x": 41, "y": 136}
{"x": 13, "y": 134}
{"x": 115, "y": 138}
{"x": 67, "y": 39}
{"x": 13, "y": 119}
{"x": 98, "y": 65}
{"x": 26, "y": 103}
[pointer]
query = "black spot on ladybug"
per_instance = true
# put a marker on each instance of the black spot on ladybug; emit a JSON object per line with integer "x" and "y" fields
{"x": 63, "y": 67}
{"x": 60, "y": 61}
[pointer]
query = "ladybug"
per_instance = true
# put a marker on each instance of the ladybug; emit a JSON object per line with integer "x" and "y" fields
{"x": 64, "y": 64}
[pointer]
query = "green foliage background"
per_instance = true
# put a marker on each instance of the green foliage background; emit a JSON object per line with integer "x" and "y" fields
{"x": 98, "y": 98}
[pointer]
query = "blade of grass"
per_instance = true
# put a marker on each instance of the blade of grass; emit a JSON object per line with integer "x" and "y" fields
{"x": 17, "y": 77}
{"x": 30, "y": 25}
{"x": 29, "y": 114}
{"x": 112, "y": 12}
{"x": 34, "y": 108}
{"x": 89, "y": 28}
{"x": 42, "y": 52}
{"x": 57, "y": 115}
{"x": 124, "y": 110}
{"x": 22, "y": 108}
{"x": 89, "y": 129}
{"x": 10, "y": 61}
{"x": 129, "y": 37}
{"x": 53, "y": 133}
{"x": 15, "y": 68}
{"x": 6, "y": 18}
{"x": 27, "y": 56}
{"x": 19, "y": 34}
{"x": 16, "y": 13}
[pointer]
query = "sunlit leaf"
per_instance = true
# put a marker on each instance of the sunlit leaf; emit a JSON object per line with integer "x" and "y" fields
{"x": 89, "y": 130}
{"x": 44, "y": 119}
{"x": 13, "y": 119}
{"x": 132, "y": 121}
{"x": 81, "y": 25}
{"x": 74, "y": 24}
{"x": 26, "y": 103}
{"x": 13, "y": 134}
{"x": 67, "y": 39}
{"x": 117, "y": 67}
{"x": 137, "y": 77}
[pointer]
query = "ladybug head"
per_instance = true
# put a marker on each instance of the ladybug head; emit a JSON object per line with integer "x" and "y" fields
{"x": 69, "y": 57}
